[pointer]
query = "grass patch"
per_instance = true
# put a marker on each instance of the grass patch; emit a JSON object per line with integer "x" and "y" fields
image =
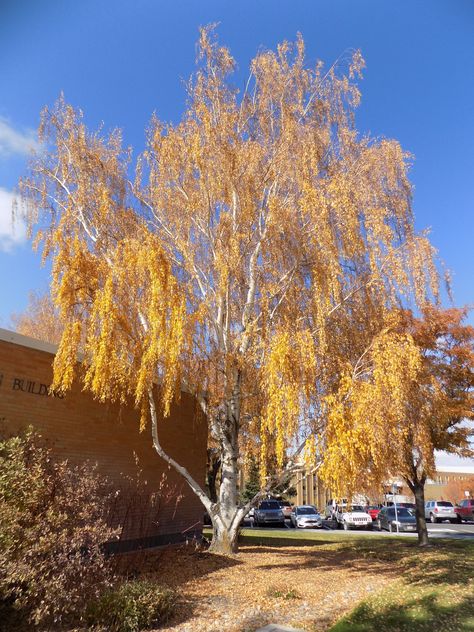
{"x": 435, "y": 591}
{"x": 299, "y": 537}
{"x": 278, "y": 592}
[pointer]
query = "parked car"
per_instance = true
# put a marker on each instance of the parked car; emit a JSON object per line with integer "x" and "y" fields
{"x": 306, "y": 517}
{"x": 352, "y": 517}
{"x": 465, "y": 509}
{"x": 269, "y": 513}
{"x": 390, "y": 517}
{"x": 286, "y": 507}
{"x": 248, "y": 518}
{"x": 437, "y": 510}
{"x": 373, "y": 511}
{"x": 331, "y": 507}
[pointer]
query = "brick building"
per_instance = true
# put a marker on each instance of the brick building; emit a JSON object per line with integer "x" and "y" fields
{"x": 161, "y": 508}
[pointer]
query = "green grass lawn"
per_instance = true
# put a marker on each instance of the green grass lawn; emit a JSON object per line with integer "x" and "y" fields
{"x": 292, "y": 537}
{"x": 434, "y": 591}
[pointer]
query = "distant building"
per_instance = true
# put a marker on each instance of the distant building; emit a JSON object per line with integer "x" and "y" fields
{"x": 79, "y": 428}
{"x": 310, "y": 489}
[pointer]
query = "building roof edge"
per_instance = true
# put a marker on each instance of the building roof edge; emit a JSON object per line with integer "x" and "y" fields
{"x": 26, "y": 341}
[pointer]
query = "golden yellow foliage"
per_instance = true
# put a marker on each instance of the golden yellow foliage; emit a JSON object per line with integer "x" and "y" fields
{"x": 40, "y": 319}
{"x": 405, "y": 397}
{"x": 260, "y": 248}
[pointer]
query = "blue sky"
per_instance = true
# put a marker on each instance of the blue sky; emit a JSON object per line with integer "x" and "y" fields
{"x": 121, "y": 60}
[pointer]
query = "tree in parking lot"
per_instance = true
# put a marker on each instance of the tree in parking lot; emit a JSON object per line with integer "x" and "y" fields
{"x": 259, "y": 248}
{"x": 408, "y": 397}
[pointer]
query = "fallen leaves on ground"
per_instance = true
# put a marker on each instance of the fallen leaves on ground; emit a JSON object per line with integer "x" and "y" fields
{"x": 303, "y": 586}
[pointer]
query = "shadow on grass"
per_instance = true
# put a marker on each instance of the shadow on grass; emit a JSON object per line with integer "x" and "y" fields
{"x": 450, "y": 564}
{"x": 424, "y": 613}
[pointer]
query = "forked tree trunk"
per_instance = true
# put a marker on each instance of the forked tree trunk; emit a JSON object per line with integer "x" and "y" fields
{"x": 418, "y": 489}
{"x": 225, "y": 514}
{"x": 224, "y": 537}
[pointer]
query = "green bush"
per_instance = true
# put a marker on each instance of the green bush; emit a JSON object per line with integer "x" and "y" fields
{"x": 133, "y": 606}
{"x": 52, "y": 529}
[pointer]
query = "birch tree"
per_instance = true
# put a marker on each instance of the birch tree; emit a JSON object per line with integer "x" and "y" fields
{"x": 260, "y": 241}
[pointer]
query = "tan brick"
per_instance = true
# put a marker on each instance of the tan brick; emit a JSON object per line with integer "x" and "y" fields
{"x": 80, "y": 428}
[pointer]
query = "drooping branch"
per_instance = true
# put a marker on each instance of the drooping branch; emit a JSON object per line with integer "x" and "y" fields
{"x": 193, "y": 484}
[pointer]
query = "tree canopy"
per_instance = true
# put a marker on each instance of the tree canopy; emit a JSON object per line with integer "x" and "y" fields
{"x": 409, "y": 394}
{"x": 259, "y": 247}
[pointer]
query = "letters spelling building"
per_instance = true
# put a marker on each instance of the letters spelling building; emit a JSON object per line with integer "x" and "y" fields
{"x": 155, "y": 505}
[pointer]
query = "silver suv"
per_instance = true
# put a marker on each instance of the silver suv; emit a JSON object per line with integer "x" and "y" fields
{"x": 269, "y": 513}
{"x": 437, "y": 510}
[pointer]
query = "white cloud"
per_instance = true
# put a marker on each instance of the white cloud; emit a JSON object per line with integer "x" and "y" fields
{"x": 11, "y": 233}
{"x": 451, "y": 460}
{"x": 13, "y": 141}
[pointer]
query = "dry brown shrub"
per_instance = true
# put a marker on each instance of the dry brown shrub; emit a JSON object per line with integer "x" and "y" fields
{"x": 53, "y": 528}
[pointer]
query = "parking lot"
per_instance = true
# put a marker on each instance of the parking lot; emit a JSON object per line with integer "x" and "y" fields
{"x": 441, "y": 530}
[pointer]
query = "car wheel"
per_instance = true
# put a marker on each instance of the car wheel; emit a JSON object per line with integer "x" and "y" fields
{"x": 458, "y": 519}
{"x": 390, "y": 527}
{"x": 433, "y": 519}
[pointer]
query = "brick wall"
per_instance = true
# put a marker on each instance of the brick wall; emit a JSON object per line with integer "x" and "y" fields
{"x": 81, "y": 429}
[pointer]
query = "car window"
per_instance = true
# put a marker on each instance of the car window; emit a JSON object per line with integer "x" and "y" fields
{"x": 404, "y": 512}
{"x": 305, "y": 511}
{"x": 269, "y": 504}
{"x": 444, "y": 503}
{"x": 284, "y": 503}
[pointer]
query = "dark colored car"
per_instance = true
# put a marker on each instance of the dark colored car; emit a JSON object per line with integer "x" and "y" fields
{"x": 269, "y": 513}
{"x": 388, "y": 519}
{"x": 465, "y": 509}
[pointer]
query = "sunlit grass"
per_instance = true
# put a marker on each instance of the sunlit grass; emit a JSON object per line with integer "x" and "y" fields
{"x": 435, "y": 591}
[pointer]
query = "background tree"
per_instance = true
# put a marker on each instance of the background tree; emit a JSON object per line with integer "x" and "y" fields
{"x": 252, "y": 480}
{"x": 40, "y": 320}
{"x": 456, "y": 489}
{"x": 408, "y": 395}
{"x": 261, "y": 241}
